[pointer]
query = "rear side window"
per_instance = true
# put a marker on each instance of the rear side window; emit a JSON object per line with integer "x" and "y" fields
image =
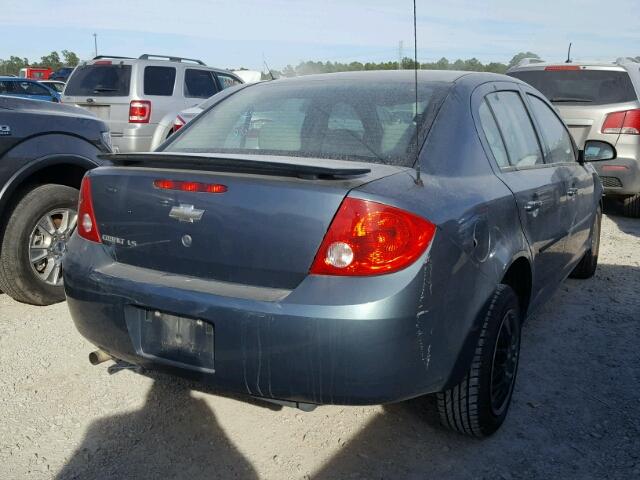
{"x": 159, "y": 80}
{"x": 491, "y": 131}
{"x": 554, "y": 133}
{"x": 199, "y": 83}
{"x": 227, "y": 81}
{"x": 578, "y": 87}
{"x": 100, "y": 81}
{"x": 516, "y": 127}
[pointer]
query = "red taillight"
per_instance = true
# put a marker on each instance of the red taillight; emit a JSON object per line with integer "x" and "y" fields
{"x": 627, "y": 121}
{"x": 103, "y": 62}
{"x": 190, "y": 186}
{"x": 555, "y": 68}
{"x": 178, "y": 123}
{"x": 87, "y": 225}
{"x": 139, "y": 111}
{"x": 369, "y": 238}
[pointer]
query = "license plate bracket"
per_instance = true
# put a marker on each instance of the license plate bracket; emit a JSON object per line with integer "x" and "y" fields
{"x": 172, "y": 339}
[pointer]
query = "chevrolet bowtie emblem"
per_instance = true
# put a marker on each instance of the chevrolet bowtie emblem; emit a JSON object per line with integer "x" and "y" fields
{"x": 186, "y": 213}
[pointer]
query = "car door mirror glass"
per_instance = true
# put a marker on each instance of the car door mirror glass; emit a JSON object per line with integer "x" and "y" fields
{"x": 598, "y": 151}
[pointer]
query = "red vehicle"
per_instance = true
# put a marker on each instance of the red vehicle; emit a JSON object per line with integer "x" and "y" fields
{"x": 36, "y": 73}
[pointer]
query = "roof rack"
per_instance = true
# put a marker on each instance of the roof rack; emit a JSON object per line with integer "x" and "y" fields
{"x": 148, "y": 56}
{"x": 111, "y": 56}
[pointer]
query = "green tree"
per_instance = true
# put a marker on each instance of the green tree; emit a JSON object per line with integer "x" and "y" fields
{"x": 52, "y": 61}
{"x": 495, "y": 67}
{"x": 519, "y": 56}
{"x": 70, "y": 59}
{"x": 13, "y": 65}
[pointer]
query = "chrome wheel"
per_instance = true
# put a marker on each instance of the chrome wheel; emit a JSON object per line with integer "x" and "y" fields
{"x": 505, "y": 363}
{"x": 48, "y": 244}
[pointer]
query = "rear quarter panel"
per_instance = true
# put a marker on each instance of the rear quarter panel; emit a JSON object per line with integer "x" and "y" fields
{"x": 479, "y": 233}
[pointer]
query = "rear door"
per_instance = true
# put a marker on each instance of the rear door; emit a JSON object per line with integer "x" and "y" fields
{"x": 580, "y": 179}
{"x": 538, "y": 188}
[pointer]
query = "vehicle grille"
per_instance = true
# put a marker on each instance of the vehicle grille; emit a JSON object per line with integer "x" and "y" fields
{"x": 611, "y": 182}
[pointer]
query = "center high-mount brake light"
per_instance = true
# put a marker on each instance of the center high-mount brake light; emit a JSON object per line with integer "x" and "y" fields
{"x": 370, "y": 238}
{"x": 555, "y": 68}
{"x": 627, "y": 122}
{"x": 190, "y": 186}
{"x": 139, "y": 111}
{"x": 87, "y": 224}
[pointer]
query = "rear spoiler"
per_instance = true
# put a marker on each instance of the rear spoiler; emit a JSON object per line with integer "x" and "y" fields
{"x": 225, "y": 164}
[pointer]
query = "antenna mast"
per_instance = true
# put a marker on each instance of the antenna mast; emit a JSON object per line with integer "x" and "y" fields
{"x": 415, "y": 75}
{"x": 569, "y": 54}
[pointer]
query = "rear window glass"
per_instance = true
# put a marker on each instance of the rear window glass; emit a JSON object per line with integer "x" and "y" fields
{"x": 596, "y": 87}
{"x": 198, "y": 83}
{"x": 159, "y": 80}
{"x": 100, "y": 81}
{"x": 374, "y": 122}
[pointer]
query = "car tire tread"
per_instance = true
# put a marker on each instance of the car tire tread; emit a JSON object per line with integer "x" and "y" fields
{"x": 460, "y": 407}
{"x": 16, "y": 278}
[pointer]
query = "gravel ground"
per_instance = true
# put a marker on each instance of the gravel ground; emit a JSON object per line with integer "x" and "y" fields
{"x": 574, "y": 412}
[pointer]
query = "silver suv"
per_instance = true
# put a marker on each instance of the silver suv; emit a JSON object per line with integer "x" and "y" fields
{"x": 133, "y": 94}
{"x": 598, "y": 101}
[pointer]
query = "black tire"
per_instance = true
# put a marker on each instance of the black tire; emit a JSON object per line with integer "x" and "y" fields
{"x": 589, "y": 262}
{"x": 475, "y": 407}
{"x": 18, "y": 278}
{"x": 631, "y": 206}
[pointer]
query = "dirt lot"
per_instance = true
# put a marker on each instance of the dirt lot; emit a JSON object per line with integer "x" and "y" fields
{"x": 574, "y": 414}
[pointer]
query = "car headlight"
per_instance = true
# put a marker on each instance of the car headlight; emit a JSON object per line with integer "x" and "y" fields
{"x": 106, "y": 140}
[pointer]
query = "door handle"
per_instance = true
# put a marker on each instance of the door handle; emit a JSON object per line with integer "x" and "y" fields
{"x": 572, "y": 191}
{"x": 533, "y": 205}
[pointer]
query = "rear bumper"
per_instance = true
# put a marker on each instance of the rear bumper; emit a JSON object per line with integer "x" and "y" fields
{"x": 620, "y": 177}
{"x": 336, "y": 349}
{"x": 131, "y": 143}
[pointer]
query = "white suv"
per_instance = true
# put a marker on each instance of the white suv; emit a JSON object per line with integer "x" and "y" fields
{"x": 133, "y": 94}
{"x": 598, "y": 101}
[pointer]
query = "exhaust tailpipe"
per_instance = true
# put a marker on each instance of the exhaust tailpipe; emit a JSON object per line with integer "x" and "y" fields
{"x": 99, "y": 356}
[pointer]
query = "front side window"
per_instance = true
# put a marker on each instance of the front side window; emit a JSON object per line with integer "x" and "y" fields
{"x": 554, "y": 133}
{"x": 492, "y": 133}
{"x": 199, "y": 83}
{"x": 159, "y": 80}
{"x": 517, "y": 130}
{"x": 227, "y": 81}
{"x": 372, "y": 122}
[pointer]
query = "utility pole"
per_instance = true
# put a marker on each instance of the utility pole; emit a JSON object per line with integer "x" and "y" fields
{"x": 400, "y": 45}
{"x": 95, "y": 44}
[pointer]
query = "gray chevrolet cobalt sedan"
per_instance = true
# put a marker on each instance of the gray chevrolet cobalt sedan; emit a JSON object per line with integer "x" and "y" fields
{"x": 341, "y": 239}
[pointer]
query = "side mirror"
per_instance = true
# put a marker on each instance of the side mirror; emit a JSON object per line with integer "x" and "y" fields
{"x": 597, "y": 151}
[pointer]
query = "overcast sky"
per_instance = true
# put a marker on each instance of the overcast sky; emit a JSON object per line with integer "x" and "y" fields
{"x": 236, "y": 33}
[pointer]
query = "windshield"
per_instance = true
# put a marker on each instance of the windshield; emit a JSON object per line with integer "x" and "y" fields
{"x": 596, "y": 87}
{"x": 100, "y": 80}
{"x": 337, "y": 119}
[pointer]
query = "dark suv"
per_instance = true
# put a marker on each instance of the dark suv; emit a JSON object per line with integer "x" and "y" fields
{"x": 45, "y": 150}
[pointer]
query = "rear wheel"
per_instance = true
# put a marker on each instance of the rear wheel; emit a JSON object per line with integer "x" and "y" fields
{"x": 34, "y": 243}
{"x": 478, "y": 405}
{"x": 589, "y": 262}
{"x": 631, "y": 206}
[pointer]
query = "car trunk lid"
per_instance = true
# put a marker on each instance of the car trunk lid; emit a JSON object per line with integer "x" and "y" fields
{"x": 264, "y": 229}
